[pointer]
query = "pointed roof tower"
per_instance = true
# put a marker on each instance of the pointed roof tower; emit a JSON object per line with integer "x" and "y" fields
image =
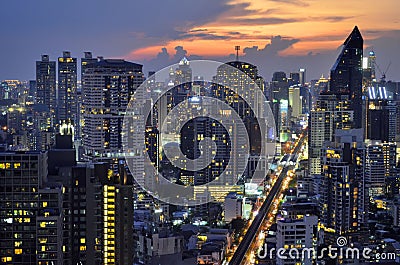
{"x": 354, "y": 40}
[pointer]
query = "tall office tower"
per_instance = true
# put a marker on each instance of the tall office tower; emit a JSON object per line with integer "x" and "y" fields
{"x": 331, "y": 112}
{"x": 302, "y": 72}
{"x": 306, "y": 104}
{"x": 299, "y": 234}
{"x": 295, "y": 101}
{"x": 46, "y": 84}
{"x": 380, "y": 165}
{"x": 30, "y": 213}
{"x": 280, "y": 86}
{"x": 33, "y": 89}
{"x": 182, "y": 82}
{"x": 381, "y": 114}
{"x": 107, "y": 88}
{"x": 344, "y": 188}
{"x": 276, "y": 110}
{"x": 294, "y": 79}
{"x": 347, "y": 74}
{"x": 369, "y": 75}
{"x": 67, "y": 89}
{"x": 285, "y": 120}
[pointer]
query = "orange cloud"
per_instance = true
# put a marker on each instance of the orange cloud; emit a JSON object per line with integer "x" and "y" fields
{"x": 319, "y": 25}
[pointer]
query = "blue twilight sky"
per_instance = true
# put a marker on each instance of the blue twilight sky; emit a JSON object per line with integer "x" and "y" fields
{"x": 273, "y": 34}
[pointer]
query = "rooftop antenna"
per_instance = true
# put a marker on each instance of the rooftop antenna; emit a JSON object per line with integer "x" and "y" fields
{"x": 237, "y": 49}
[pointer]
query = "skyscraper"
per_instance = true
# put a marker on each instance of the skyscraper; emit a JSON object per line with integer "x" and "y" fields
{"x": 86, "y": 60}
{"x": 381, "y": 120}
{"x": 67, "y": 88}
{"x": 46, "y": 84}
{"x": 280, "y": 86}
{"x": 108, "y": 85}
{"x": 347, "y": 75}
{"x": 330, "y": 112}
{"x": 183, "y": 81}
{"x": 380, "y": 165}
{"x": 344, "y": 190}
{"x": 295, "y": 101}
{"x": 30, "y": 214}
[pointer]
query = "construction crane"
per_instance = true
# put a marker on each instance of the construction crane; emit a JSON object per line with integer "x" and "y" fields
{"x": 383, "y": 74}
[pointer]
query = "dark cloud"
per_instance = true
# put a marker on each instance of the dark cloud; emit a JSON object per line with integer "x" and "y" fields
{"x": 261, "y": 21}
{"x": 198, "y": 30}
{"x": 332, "y": 18}
{"x": 164, "y": 59}
{"x": 272, "y": 49}
{"x": 268, "y": 58}
{"x": 204, "y": 36}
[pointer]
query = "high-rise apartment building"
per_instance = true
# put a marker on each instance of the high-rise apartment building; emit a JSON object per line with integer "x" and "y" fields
{"x": 67, "y": 89}
{"x": 331, "y": 112}
{"x": 108, "y": 85}
{"x": 97, "y": 207}
{"x": 344, "y": 190}
{"x": 380, "y": 165}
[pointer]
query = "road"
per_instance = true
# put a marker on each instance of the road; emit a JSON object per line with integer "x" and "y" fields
{"x": 241, "y": 251}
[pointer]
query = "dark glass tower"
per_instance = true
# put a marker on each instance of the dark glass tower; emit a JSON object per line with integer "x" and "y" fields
{"x": 46, "y": 84}
{"x": 347, "y": 76}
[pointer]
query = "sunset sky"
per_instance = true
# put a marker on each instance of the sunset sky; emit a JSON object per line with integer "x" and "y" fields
{"x": 273, "y": 34}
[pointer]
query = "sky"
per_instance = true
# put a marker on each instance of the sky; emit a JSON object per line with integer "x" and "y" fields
{"x": 275, "y": 35}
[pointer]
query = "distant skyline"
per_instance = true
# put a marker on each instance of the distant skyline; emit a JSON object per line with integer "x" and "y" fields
{"x": 273, "y": 34}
